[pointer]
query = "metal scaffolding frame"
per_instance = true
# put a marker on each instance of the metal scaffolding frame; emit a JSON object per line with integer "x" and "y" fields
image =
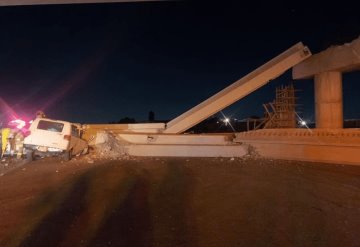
{"x": 281, "y": 112}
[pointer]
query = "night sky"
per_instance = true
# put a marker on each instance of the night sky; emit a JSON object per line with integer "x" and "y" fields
{"x": 97, "y": 63}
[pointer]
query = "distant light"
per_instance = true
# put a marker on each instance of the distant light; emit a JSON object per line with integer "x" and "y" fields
{"x": 303, "y": 123}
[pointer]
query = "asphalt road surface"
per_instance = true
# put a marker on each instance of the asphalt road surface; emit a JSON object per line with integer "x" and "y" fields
{"x": 180, "y": 202}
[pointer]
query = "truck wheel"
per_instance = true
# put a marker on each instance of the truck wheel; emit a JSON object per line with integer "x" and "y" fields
{"x": 29, "y": 155}
{"x": 67, "y": 155}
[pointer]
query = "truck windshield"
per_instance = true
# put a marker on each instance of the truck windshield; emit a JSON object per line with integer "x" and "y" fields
{"x": 50, "y": 126}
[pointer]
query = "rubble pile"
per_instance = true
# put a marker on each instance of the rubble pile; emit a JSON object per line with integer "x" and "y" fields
{"x": 9, "y": 163}
{"x": 252, "y": 153}
{"x": 108, "y": 146}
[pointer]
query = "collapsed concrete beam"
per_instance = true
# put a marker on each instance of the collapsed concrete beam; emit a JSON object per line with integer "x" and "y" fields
{"x": 187, "y": 150}
{"x": 91, "y": 130}
{"x": 167, "y": 145}
{"x": 134, "y": 127}
{"x": 169, "y": 139}
{"x": 344, "y": 58}
{"x": 239, "y": 89}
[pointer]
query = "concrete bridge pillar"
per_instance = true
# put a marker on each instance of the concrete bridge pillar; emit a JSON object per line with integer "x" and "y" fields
{"x": 327, "y": 68}
{"x": 328, "y": 100}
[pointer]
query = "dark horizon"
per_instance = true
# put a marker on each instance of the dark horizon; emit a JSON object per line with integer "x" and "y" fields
{"x": 97, "y": 63}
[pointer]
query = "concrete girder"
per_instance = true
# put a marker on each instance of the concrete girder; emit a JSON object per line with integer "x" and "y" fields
{"x": 173, "y": 139}
{"x": 344, "y": 58}
{"x": 168, "y": 145}
{"x": 229, "y": 151}
{"x": 239, "y": 89}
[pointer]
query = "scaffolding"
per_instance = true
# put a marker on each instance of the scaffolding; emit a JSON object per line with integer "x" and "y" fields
{"x": 281, "y": 112}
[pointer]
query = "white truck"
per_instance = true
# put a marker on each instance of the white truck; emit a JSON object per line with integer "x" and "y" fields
{"x": 48, "y": 137}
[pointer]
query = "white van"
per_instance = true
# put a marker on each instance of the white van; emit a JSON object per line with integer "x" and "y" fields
{"x": 54, "y": 137}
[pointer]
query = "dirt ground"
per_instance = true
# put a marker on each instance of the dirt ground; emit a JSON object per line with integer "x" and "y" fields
{"x": 179, "y": 202}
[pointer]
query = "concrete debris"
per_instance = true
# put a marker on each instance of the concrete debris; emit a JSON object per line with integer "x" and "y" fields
{"x": 252, "y": 152}
{"x": 9, "y": 163}
{"x": 101, "y": 137}
{"x": 108, "y": 146}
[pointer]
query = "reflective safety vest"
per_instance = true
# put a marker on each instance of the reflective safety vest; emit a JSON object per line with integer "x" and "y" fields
{"x": 5, "y": 132}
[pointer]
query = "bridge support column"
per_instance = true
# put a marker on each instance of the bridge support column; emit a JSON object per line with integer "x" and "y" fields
{"x": 328, "y": 100}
